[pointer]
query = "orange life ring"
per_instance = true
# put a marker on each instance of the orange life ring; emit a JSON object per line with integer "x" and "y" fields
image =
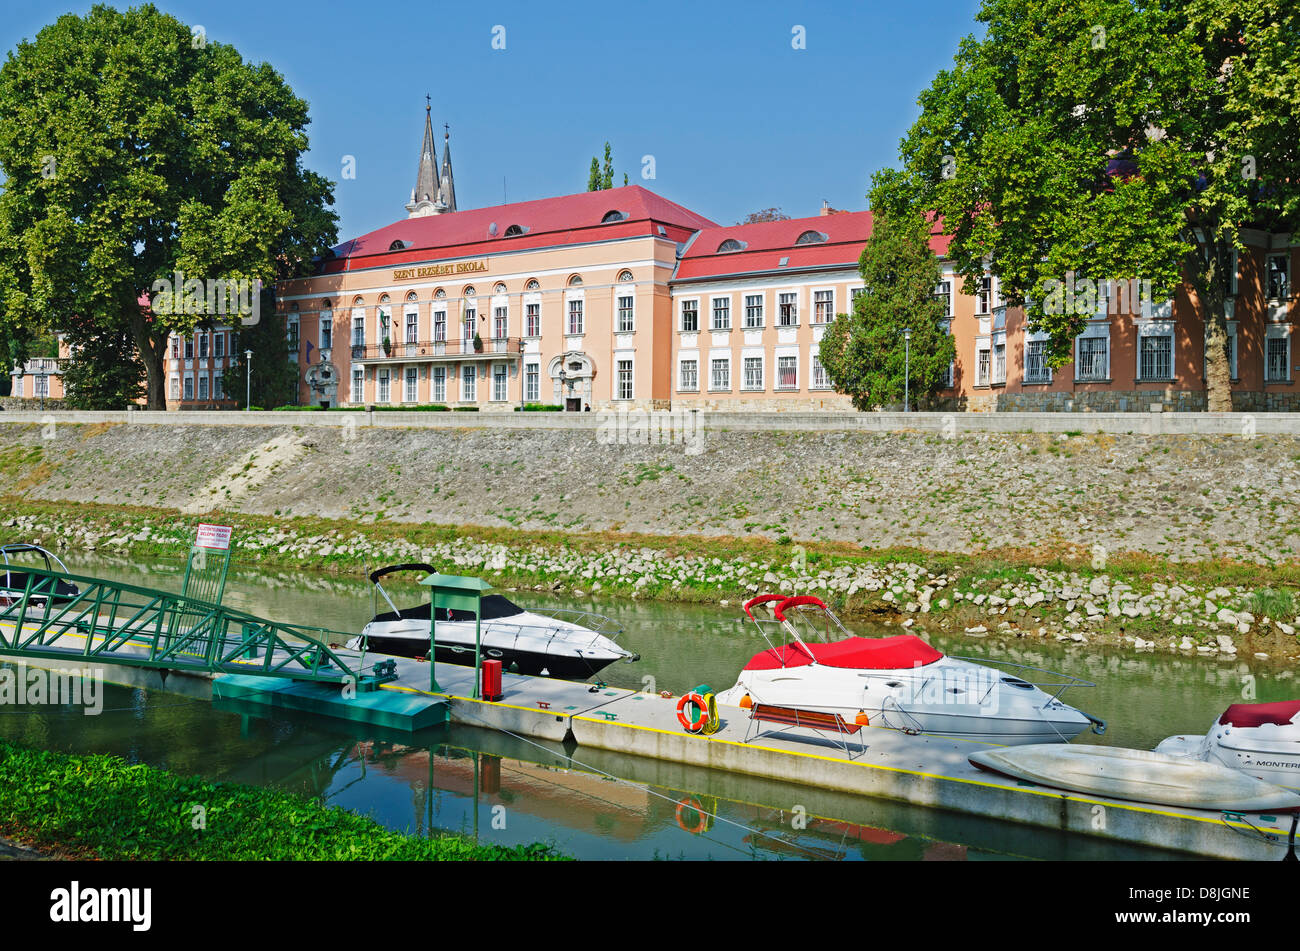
{"x": 698, "y": 808}
{"x": 701, "y": 709}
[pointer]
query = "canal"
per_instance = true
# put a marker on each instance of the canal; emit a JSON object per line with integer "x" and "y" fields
{"x": 594, "y": 804}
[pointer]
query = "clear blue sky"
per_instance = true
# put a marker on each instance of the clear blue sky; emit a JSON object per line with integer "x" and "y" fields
{"x": 736, "y": 119}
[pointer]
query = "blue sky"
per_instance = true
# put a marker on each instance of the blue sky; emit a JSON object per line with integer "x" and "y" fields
{"x": 735, "y": 117}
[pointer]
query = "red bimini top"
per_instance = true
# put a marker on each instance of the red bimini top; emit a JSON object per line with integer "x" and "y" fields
{"x": 863, "y": 653}
{"x": 1259, "y": 714}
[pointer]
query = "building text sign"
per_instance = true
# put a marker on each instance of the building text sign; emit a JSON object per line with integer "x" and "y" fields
{"x": 213, "y": 536}
{"x": 438, "y": 270}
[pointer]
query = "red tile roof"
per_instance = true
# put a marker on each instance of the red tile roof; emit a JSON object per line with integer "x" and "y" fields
{"x": 766, "y": 243}
{"x": 547, "y": 222}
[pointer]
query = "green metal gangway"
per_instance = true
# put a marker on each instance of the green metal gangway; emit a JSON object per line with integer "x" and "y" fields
{"x": 117, "y": 623}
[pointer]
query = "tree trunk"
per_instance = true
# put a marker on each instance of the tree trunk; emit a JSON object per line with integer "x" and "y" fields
{"x": 153, "y": 354}
{"x": 1218, "y": 372}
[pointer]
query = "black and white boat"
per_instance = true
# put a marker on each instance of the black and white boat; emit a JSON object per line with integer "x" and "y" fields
{"x": 571, "y": 645}
{"x": 15, "y": 578}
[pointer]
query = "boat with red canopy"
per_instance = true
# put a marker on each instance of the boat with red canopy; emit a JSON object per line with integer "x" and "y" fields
{"x": 898, "y": 682}
{"x": 1259, "y": 739}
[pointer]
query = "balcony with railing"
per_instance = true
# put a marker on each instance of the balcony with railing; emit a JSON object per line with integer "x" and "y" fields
{"x": 438, "y": 351}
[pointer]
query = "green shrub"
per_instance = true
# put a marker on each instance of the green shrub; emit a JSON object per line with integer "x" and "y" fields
{"x": 541, "y": 408}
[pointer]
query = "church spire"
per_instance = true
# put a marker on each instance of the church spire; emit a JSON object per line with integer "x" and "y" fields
{"x": 428, "y": 189}
{"x": 447, "y": 188}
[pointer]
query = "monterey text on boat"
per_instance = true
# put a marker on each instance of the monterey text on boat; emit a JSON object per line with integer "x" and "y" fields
{"x": 14, "y": 581}
{"x": 1259, "y": 739}
{"x": 572, "y": 645}
{"x": 900, "y": 682}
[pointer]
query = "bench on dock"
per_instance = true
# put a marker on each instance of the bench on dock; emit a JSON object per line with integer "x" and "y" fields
{"x": 819, "y": 723}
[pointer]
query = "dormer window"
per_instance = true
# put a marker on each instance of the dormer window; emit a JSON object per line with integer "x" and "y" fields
{"x": 514, "y": 231}
{"x": 613, "y": 216}
{"x": 731, "y": 244}
{"x": 810, "y": 237}
{"x": 399, "y": 245}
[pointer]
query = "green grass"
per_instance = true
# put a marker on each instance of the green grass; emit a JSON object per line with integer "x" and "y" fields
{"x": 1273, "y": 603}
{"x": 103, "y": 807}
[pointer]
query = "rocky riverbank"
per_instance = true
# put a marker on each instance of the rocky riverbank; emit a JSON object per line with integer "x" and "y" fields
{"x": 1217, "y": 610}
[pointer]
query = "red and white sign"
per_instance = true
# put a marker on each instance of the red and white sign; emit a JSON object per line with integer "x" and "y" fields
{"x": 213, "y": 536}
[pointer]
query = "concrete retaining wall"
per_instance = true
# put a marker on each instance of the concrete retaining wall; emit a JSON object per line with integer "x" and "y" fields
{"x": 1149, "y": 423}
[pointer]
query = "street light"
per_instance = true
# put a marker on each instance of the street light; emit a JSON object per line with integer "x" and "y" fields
{"x": 248, "y": 379}
{"x": 907, "y": 368}
{"x": 563, "y": 377}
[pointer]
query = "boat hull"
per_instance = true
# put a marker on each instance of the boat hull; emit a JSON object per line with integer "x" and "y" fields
{"x": 565, "y": 667}
{"x": 1138, "y": 776}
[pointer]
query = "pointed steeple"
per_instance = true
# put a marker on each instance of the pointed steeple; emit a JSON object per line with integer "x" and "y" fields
{"x": 447, "y": 188}
{"x": 427, "y": 187}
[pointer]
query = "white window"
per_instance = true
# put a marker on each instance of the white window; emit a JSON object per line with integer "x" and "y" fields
{"x": 412, "y": 393}
{"x": 358, "y": 385}
{"x": 1156, "y": 350}
{"x": 532, "y": 383}
{"x": 499, "y": 382}
{"x": 690, "y": 316}
{"x": 854, "y": 294}
{"x": 950, "y": 376}
{"x": 720, "y": 374}
{"x": 470, "y": 319}
{"x": 753, "y": 310}
{"x": 176, "y": 348}
{"x": 984, "y": 295}
{"x": 500, "y": 322}
{"x": 787, "y": 373}
{"x": 412, "y": 326}
{"x": 533, "y": 319}
{"x": 1278, "y": 278}
{"x": 1232, "y": 348}
{"x": 174, "y": 391}
{"x": 1277, "y": 354}
{"x": 690, "y": 376}
{"x": 1092, "y": 353}
{"x": 42, "y": 386}
{"x": 468, "y": 384}
{"x": 721, "y": 313}
{"x": 326, "y": 335}
{"x": 358, "y": 329}
{"x": 787, "y": 312}
{"x": 1036, "y": 368}
{"x": 575, "y": 317}
{"x": 983, "y": 361}
{"x": 626, "y": 322}
{"x": 823, "y": 307}
{"x": 219, "y": 344}
{"x": 624, "y": 380}
{"x": 943, "y": 291}
{"x": 439, "y": 385}
{"x": 291, "y": 332}
{"x": 753, "y": 373}
{"x": 999, "y": 344}
{"x": 382, "y": 379}
{"x": 189, "y": 348}
{"x": 203, "y": 386}
{"x": 189, "y": 387}
{"x": 218, "y": 393}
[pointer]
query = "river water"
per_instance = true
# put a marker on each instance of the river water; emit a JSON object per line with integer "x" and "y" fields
{"x": 599, "y": 805}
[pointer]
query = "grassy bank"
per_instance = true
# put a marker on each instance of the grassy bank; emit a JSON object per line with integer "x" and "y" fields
{"x": 1037, "y": 592}
{"x": 101, "y": 807}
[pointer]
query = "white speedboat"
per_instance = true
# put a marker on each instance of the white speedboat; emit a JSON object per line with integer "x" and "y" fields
{"x": 1138, "y": 776}
{"x": 1258, "y": 739}
{"x": 571, "y": 645}
{"x": 900, "y": 682}
{"x": 15, "y": 579}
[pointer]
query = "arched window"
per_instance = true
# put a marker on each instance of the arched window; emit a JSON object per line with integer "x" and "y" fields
{"x": 383, "y": 299}
{"x": 514, "y": 231}
{"x": 613, "y": 216}
{"x": 468, "y": 291}
{"x": 810, "y": 237}
{"x": 359, "y": 300}
{"x": 500, "y": 288}
{"x": 411, "y": 297}
{"x": 575, "y": 281}
{"x": 399, "y": 245}
{"x": 625, "y": 275}
{"x": 439, "y": 294}
{"x": 533, "y": 285}
{"x": 326, "y": 305}
{"x": 731, "y": 244}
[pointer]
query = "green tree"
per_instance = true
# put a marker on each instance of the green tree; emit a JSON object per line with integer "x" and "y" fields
{"x": 103, "y": 372}
{"x": 134, "y": 149}
{"x": 593, "y": 180}
{"x": 275, "y": 375}
{"x": 865, "y": 353}
{"x": 607, "y": 175}
{"x": 766, "y": 214}
{"x": 1111, "y": 140}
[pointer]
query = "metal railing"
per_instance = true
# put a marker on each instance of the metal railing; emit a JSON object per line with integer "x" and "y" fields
{"x": 433, "y": 349}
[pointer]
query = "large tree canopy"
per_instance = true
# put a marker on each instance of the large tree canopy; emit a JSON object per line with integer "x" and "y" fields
{"x": 1111, "y": 140}
{"x": 895, "y": 342}
{"x": 134, "y": 149}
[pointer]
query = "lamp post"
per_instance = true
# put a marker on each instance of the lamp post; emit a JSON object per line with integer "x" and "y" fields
{"x": 907, "y": 368}
{"x": 248, "y": 379}
{"x": 563, "y": 377}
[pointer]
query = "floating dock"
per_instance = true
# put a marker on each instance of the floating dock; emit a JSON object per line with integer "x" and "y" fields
{"x": 923, "y": 770}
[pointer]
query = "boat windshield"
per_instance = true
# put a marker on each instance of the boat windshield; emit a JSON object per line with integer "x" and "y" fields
{"x": 494, "y": 608}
